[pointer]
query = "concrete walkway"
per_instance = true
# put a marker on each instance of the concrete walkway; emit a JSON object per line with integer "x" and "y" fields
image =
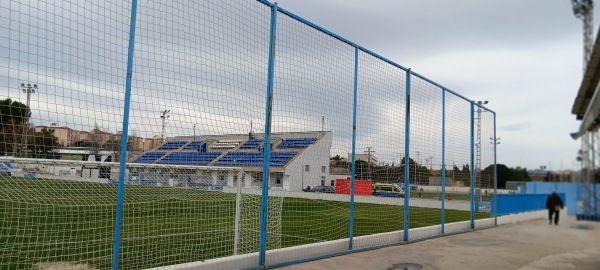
{"x": 531, "y": 245}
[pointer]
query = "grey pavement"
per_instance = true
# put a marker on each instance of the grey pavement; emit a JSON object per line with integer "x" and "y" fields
{"x": 530, "y": 245}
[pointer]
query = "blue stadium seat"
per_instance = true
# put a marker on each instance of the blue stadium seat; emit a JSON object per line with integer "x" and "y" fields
{"x": 149, "y": 157}
{"x": 296, "y": 142}
{"x": 252, "y": 144}
{"x": 254, "y": 159}
{"x": 189, "y": 158}
{"x": 172, "y": 145}
{"x": 197, "y": 145}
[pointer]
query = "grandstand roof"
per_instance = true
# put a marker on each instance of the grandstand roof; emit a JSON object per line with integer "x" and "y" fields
{"x": 586, "y": 97}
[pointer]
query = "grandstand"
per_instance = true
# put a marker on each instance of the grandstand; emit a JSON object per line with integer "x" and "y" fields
{"x": 297, "y": 160}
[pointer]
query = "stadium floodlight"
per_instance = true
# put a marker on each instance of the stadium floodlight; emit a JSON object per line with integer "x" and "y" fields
{"x": 164, "y": 116}
{"x": 478, "y": 143}
{"x": 28, "y": 89}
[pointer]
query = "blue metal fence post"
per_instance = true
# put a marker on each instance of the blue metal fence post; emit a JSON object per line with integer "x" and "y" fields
{"x": 407, "y": 156}
{"x": 494, "y": 202}
{"x": 124, "y": 136}
{"x": 443, "y": 158}
{"x": 267, "y": 142}
{"x": 472, "y": 176}
{"x": 351, "y": 237}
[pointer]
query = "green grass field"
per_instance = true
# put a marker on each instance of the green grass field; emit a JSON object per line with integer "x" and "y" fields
{"x": 63, "y": 221}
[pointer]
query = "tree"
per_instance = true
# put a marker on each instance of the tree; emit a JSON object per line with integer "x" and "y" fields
{"x": 520, "y": 174}
{"x": 418, "y": 174}
{"x": 14, "y": 117}
{"x": 503, "y": 174}
{"x": 461, "y": 176}
{"x": 115, "y": 147}
{"x": 361, "y": 168}
{"x": 96, "y": 140}
{"x": 44, "y": 143}
{"x": 87, "y": 144}
{"x": 456, "y": 174}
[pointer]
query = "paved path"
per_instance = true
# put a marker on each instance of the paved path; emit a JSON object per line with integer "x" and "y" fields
{"x": 531, "y": 245}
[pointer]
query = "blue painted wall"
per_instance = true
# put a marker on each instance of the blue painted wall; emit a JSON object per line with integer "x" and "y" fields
{"x": 572, "y": 191}
{"x": 518, "y": 203}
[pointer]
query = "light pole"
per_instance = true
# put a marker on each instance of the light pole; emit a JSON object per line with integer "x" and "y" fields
{"x": 28, "y": 89}
{"x": 478, "y": 144}
{"x": 496, "y": 141}
{"x": 164, "y": 116}
{"x": 194, "y": 132}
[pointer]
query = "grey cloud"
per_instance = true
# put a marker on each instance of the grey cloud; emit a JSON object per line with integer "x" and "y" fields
{"x": 206, "y": 62}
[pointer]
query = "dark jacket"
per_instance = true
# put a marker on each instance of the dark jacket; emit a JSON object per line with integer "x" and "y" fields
{"x": 553, "y": 201}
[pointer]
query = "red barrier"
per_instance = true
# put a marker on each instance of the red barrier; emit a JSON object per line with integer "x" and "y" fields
{"x": 361, "y": 187}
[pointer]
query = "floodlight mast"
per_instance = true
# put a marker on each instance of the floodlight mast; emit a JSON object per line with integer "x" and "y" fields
{"x": 478, "y": 144}
{"x": 584, "y": 10}
{"x": 27, "y": 89}
{"x": 164, "y": 115}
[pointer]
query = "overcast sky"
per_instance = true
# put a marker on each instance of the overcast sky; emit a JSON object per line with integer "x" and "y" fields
{"x": 209, "y": 69}
{"x": 525, "y": 57}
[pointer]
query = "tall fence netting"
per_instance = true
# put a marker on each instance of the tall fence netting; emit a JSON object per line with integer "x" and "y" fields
{"x": 196, "y": 143}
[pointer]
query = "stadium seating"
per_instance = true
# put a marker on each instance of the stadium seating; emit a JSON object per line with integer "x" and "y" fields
{"x": 6, "y": 168}
{"x": 189, "y": 158}
{"x": 226, "y": 144}
{"x": 196, "y": 145}
{"x": 254, "y": 159}
{"x": 296, "y": 142}
{"x": 181, "y": 154}
{"x": 252, "y": 144}
{"x": 149, "y": 157}
{"x": 172, "y": 145}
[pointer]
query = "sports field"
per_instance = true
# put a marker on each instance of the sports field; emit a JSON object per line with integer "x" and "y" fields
{"x": 64, "y": 221}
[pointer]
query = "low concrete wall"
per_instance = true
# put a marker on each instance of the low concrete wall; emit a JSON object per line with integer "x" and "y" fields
{"x": 317, "y": 250}
{"x": 462, "y": 189}
{"x": 515, "y": 218}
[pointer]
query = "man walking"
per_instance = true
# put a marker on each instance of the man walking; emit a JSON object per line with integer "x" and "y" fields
{"x": 554, "y": 204}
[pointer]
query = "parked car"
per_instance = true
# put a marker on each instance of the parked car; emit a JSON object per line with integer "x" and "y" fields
{"x": 411, "y": 186}
{"x": 387, "y": 190}
{"x": 323, "y": 189}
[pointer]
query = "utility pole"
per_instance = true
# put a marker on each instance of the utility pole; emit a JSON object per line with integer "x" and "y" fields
{"x": 164, "y": 115}
{"x": 27, "y": 89}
